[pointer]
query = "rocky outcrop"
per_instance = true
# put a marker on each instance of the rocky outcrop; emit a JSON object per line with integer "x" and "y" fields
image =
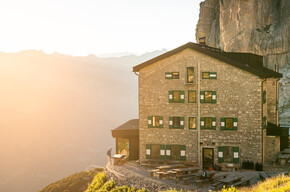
{"x": 257, "y": 26}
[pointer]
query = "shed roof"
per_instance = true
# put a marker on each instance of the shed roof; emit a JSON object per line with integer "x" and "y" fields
{"x": 126, "y": 130}
{"x": 245, "y": 61}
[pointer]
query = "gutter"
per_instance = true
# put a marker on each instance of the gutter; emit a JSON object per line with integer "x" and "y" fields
{"x": 262, "y": 152}
{"x": 198, "y": 115}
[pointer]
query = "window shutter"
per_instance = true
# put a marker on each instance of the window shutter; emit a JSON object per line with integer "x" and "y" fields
{"x": 220, "y": 154}
{"x": 213, "y": 126}
{"x": 213, "y": 97}
{"x": 264, "y": 97}
{"x": 212, "y": 75}
{"x": 182, "y": 96}
{"x": 150, "y": 123}
{"x": 236, "y": 155}
{"x": 170, "y": 96}
{"x": 223, "y": 123}
{"x": 202, "y": 123}
{"x": 168, "y": 152}
{"x": 264, "y": 122}
{"x": 202, "y": 96}
{"x": 162, "y": 151}
{"x": 160, "y": 122}
{"x": 148, "y": 151}
{"x": 168, "y": 75}
{"x": 181, "y": 123}
{"x": 170, "y": 122}
{"x": 182, "y": 152}
{"x": 235, "y": 121}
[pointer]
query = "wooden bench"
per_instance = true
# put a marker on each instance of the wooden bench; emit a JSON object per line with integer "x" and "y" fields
{"x": 245, "y": 181}
{"x": 151, "y": 172}
{"x": 263, "y": 176}
{"x": 230, "y": 167}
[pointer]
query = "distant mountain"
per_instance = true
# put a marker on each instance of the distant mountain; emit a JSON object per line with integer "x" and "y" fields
{"x": 56, "y": 113}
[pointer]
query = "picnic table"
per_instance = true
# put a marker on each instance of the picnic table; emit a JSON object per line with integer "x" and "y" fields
{"x": 187, "y": 170}
{"x": 173, "y": 166}
{"x": 230, "y": 180}
{"x": 283, "y": 158}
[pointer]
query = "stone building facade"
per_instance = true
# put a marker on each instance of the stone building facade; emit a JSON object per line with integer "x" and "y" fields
{"x": 198, "y": 103}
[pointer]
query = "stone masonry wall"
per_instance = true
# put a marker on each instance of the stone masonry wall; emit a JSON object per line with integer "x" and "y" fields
{"x": 238, "y": 95}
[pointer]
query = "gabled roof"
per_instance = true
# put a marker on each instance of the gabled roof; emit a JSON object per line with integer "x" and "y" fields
{"x": 245, "y": 61}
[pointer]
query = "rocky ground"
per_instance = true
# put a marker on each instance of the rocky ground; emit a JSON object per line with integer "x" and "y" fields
{"x": 132, "y": 174}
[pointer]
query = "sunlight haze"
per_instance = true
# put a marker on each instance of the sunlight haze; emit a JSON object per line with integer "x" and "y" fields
{"x": 85, "y": 27}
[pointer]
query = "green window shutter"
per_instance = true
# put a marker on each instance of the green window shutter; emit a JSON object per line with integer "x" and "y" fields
{"x": 202, "y": 123}
{"x": 264, "y": 97}
{"x": 170, "y": 96}
{"x": 202, "y": 96}
{"x": 264, "y": 122}
{"x": 212, "y": 75}
{"x": 235, "y": 125}
{"x": 182, "y": 95}
{"x": 182, "y": 152}
{"x": 150, "y": 123}
{"x": 162, "y": 151}
{"x": 213, "y": 96}
{"x": 148, "y": 151}
{"x": 213, "y": 123}
{"x": 168, "y": 152}
{"x": 220, "y": 154}
{"x": 236, "y": 155}
{"x": 168, "y": 75}
{"x": 181, "y": 123}
{"x": 170, "y": 122}
{"x": 223, "y": 123}
{"x": 160, "y": 122}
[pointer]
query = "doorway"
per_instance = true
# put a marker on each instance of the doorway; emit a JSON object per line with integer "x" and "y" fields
{"x": 207, "y": 158}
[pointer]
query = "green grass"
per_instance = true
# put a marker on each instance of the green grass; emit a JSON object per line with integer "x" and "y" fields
{"x": 73, "y": 183}
{"x": 101, "y": 184}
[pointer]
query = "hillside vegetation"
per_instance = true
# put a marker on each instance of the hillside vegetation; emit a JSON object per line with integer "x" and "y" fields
{"x": 73, "y": 183}
{"x": 280, "y": 183}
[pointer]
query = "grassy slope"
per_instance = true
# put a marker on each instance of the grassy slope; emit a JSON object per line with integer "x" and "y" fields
{"x": 73, "y": 183}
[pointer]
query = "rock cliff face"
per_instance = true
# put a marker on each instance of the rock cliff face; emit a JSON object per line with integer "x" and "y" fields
{"x": 257, "y": 26}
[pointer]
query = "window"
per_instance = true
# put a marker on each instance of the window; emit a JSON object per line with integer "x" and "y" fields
{"x": 172, "y": 75}
{"x": 228, "y": 154}
{"x": 155, "y": 151}
{"x": 208, "y": 96}
{"x": 208, "y": 123}
{"x": 155, "y": 122}
{"x": 190, "y": 74}
{"x": 209, "y": 75}
{"x": 191, "y": 122}
{"x": 176, "y": 122}
{"x": 191, "y": 96}
{"x": 176, "y": 152}
{"x": 229, "y": 123}
{"x": 176, "y": 96}
{"x": 175, "y": 75}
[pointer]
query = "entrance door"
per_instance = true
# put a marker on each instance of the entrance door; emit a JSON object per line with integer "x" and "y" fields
{"x": 207, "y": 158}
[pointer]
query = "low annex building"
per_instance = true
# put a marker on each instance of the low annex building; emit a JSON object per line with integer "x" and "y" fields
{"x": 198, "y": 103}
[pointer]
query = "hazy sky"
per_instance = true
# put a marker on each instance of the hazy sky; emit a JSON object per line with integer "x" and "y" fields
{"x": 82, "y": 27}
